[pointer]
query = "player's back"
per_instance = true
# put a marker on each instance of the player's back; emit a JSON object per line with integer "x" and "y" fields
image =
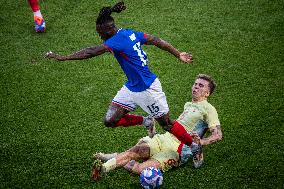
{"x": 126, "y": 45}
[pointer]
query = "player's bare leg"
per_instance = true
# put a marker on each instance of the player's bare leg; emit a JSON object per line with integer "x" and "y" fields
{"x": 114, "y": 114}
{"x": 138, "y": 152}
{"x": 136, "y": 167}
{"x": 117, "y": 116}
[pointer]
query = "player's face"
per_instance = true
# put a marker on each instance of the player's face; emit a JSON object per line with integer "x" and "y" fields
{"x": 200, "y": 89}
{"x": 104, "y": 31}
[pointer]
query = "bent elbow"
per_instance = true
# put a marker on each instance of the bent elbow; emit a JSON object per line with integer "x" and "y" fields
{"x": 220, "y": 137}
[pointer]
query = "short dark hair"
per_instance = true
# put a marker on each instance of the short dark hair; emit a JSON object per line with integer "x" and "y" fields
{"x": 105, "y": 17}
{"x": 212, "y": 85}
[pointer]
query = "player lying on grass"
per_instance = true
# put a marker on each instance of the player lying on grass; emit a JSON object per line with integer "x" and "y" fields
{"x": 165, "y": 151}
{"x": 143, "y": 88}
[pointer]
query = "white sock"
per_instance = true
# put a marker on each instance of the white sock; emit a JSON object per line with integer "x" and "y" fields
{"x": 38, "y": 13}
{"x": 109, "y": 165}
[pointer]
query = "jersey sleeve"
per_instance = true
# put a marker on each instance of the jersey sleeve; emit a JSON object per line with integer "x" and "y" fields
{"x": 212, "y": 118}
{"x": 141, "y": 36}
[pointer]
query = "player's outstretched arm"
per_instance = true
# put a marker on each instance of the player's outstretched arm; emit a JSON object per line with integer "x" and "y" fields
{"x": 85, "y": 53}
{"x": 164, "y": 45}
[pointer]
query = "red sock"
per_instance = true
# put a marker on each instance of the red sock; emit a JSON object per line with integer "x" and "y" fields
{"x": 130, "y": 120}
{"x": 179, "y": 131}
{"x": 34, "y": 5}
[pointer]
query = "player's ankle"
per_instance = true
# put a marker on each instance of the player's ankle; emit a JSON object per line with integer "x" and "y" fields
{"x": 148, "y": 122}
{"x": 38, "y": 14}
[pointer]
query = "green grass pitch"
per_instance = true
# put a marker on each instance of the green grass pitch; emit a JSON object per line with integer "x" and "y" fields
{"x": 51, "y": 112}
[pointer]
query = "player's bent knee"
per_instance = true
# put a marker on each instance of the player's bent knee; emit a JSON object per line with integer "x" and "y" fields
{"x": 134, "y": 150}
{"x": 139, "y": 151}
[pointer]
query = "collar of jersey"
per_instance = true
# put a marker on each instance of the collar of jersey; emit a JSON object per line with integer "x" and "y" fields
{"x": 119, "y": 30}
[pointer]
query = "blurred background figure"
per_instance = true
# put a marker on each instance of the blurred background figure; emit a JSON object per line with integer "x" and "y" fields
{"x": 38, "y": 18}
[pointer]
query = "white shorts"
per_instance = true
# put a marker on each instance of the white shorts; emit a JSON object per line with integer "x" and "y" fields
{"x": 152, "y": 100}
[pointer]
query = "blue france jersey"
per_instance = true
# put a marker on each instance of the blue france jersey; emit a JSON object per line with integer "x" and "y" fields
{"x": 126, "y": 47}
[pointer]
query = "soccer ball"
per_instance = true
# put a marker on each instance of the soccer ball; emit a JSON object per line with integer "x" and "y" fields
{"x": 151, "y": 178}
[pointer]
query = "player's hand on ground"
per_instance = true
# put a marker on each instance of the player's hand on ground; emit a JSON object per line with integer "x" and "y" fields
{"x": 195, "y": 137}
{"x": 52, "y": 55}
{"x": 186, "y": 57}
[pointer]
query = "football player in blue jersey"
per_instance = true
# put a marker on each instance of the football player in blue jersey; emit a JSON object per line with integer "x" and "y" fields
{"x": 142, "y": 88}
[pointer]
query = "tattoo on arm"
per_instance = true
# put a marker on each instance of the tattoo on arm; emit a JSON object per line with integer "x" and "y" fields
{"x": 85, "y": 53}
{"x": 216, "y": 135}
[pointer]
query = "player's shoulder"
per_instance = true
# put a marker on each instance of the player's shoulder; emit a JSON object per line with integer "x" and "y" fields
{"x": 207, "y": 104}
{"x": 187, "y": 104}
{"x": 209, "y": 107}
